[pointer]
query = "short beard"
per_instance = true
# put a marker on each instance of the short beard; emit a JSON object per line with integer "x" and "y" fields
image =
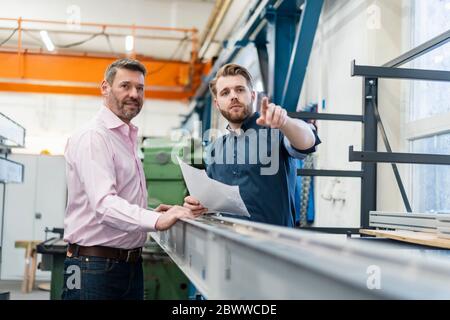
{"x": 121, "y": 108}
{"x": 239, "y": 118}
{"x": 130, "y": 114}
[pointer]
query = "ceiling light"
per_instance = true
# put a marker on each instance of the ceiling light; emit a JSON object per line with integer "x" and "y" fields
{"x": 129, "y": 43}
{"x": 47, "y": 41}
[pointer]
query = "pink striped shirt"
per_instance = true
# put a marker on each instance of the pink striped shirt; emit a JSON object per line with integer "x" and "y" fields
{"x": 106, "y": 186}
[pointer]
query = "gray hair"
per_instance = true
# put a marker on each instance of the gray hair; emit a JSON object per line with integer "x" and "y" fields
{"x": 124, "y": 63}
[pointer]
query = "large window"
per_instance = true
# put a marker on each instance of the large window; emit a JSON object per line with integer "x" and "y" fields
{"x": 431, "y": 190}
{"x": 429, "y": 113}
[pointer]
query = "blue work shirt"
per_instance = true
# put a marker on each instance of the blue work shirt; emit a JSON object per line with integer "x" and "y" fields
{"x": 262, "y": 162}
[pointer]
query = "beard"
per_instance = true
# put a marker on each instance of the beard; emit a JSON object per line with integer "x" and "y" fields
{"x": 127, "y": 108}
{"x": 237, "y": 115}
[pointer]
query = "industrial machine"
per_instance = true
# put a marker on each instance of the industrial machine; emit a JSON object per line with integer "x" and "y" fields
{"x": 164, "y": 179}
{"x": 165, "y": 182}
{"x": 53, "y": 252}
{"x": 162, "y": 277}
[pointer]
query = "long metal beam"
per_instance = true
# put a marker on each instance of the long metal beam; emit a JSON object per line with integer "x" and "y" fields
{"x": 329, "y": 173}
{"x": 263, "y": 57}
{"x": 369, "y": 142}
{"x": 281, "y": 33}
{"x": 326, "y": 116}
{"x": 398, "y": 157}
{"x": 229, "y": 258}
{"x": 306, "y": 30}
{"x": 420, "y": 50}
{"x": 333, "y": 230}
{"x": 389, "y": 149}
{"x": 399, "y": 73}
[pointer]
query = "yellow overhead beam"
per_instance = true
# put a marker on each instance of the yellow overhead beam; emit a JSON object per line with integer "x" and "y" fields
{"x": 82, "y": 74}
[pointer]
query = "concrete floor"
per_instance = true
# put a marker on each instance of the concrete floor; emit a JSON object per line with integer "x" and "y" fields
{"x": 15, "y": 293}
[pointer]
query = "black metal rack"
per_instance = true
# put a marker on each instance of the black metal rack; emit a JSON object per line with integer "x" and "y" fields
{"x": 371, "y": 120}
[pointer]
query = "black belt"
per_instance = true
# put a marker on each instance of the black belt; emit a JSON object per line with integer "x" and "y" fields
{"x": 131, "y": 255}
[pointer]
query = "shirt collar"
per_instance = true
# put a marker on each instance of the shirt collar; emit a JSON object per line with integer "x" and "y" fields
{"x": 111, "y": 120}
{"x": 247, "y": 124}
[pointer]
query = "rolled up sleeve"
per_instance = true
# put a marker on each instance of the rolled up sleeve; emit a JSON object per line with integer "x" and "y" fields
{"x": 297, "y": 153}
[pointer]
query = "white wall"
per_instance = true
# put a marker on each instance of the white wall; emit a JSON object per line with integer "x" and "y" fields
{"x": 50, "y": 119}
{"x": 372, "y": 33}
{"x": 44, "y": 192}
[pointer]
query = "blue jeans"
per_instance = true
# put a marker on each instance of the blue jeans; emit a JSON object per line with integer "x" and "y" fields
{"x": 96, "y": 278}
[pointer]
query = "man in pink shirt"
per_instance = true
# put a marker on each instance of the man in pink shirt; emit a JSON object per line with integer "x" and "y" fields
{"x": 106, "y": 220}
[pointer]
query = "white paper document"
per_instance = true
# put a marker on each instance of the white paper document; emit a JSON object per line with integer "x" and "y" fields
{"x": 212, "y": 194}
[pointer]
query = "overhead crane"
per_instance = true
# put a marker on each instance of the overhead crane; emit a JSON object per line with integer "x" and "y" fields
{"x": 25, "y": 69}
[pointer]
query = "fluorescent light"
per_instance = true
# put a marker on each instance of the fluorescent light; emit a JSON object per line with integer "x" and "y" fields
{"x": 129, "y": 43}
{"x": 47, "y": 41}
{"x": 447, "y": 6}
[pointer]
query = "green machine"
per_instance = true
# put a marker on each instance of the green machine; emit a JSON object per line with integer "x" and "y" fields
{"x": 164, "y": 179}
{"x": 165, "y": 182}
{"x": 163, "y": 280}
{"x": 53, "y": 253}
{"x": 162, "y": 277}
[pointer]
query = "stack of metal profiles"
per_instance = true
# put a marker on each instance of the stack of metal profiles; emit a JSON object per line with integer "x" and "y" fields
{"x": 424, "y": 222}
{"x": 443, "y": 225}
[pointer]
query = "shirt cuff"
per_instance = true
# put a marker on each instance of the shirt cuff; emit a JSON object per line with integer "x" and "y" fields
{"x": 149, "y": 219}
{"x": 293, "y": 152}
{"x": 301, "y": 154}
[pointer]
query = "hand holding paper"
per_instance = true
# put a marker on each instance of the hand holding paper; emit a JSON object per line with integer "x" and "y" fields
{"x": 194, "y": 205}
{"x": 223, "y": 199}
